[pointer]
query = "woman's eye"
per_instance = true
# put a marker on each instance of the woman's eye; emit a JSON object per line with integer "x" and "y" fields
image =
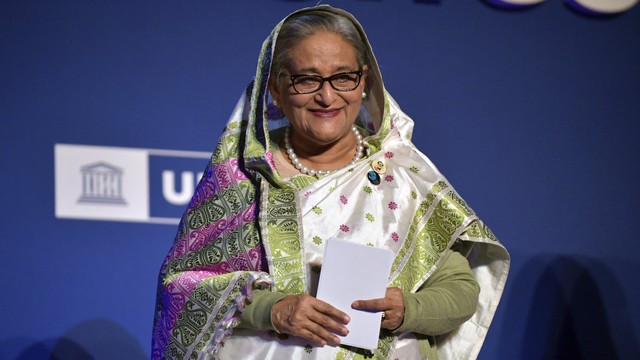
{"x": 307, "y": 80}
{"x": 343, "y": 79}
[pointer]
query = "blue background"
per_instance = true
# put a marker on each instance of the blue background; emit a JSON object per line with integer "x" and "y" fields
{"x": 532, "y": 114}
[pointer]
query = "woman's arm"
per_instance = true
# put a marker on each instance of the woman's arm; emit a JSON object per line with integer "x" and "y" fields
{"x": 446, "y": 300}
{"x": 299, "y": 315}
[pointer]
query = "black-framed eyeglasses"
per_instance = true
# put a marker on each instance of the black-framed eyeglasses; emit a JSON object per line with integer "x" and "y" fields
{"x": 345, "y": 81}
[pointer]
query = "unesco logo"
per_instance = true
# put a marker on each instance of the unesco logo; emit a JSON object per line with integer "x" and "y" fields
{"x": 125, "y": 184}
{"x": 102, "y": 184}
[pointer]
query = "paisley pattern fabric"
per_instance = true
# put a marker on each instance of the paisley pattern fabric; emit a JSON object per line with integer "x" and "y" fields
{"x": 248, "y": 228}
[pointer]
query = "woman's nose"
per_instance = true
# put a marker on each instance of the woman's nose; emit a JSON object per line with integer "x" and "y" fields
{"x": 326, "y": 95}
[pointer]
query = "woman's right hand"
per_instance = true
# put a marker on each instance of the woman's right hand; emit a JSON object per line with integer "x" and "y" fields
{"x": 309, "y": 318}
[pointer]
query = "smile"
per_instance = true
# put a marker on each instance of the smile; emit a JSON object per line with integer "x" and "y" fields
{"x": 325, "y": 113}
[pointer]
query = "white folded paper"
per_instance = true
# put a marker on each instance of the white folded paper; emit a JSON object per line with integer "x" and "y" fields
{"x": 355, "y": 272}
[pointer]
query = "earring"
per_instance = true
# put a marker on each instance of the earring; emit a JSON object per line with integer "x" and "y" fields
{"x": 275, "y": 102}
{"x": 364, "y": 95}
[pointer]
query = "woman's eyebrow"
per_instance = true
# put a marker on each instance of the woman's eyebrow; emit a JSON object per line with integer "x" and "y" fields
{"x": 314, "y": 70}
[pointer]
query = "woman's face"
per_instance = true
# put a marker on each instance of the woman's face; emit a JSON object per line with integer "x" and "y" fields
{"x": 323, "y": 117}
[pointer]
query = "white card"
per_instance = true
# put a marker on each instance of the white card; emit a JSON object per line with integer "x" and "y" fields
{"x": 355, "y": 272}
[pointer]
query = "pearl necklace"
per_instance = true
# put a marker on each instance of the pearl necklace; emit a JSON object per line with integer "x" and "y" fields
{"x": 313, "y": 172}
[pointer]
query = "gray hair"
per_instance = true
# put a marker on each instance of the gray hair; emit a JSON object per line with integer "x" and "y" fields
{"x": 298, "y": 27}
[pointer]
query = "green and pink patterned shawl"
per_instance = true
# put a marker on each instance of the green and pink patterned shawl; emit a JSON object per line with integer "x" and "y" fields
{"x": 242, "y": 229}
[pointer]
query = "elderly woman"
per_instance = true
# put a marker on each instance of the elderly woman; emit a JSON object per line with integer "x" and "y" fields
{"x": 317, "y": 149}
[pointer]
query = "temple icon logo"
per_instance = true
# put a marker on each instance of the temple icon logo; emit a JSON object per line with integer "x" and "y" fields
{"x": 102, "y": 184}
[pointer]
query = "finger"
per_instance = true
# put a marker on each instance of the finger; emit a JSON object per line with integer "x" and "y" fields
{"x": 319, "y": 336}
{"x": 392, "y": 319}
{"x": 331, "y": 311}
{"x": 372, "y": 304}
{"x": 311, "y": 331}
{"x": 312, "y": 337}
{"x": 307, "y": 301}
{"x": 325, "y": 334}
{"x": 329, "y": 323}
{"x": 307, "y": 327}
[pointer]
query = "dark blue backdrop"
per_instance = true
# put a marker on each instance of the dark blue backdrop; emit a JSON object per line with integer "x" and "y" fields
{"x": 532, "y": 114}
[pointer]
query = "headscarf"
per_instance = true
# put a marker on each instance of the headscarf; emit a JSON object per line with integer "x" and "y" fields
{"x": 242, "y": 230}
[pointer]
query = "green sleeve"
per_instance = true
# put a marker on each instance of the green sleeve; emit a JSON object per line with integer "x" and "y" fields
{"x": 446, "y": 300}
{"x": 257, "y": 314}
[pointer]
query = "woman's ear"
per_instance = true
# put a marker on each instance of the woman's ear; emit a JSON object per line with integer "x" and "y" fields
{"x": 273, "y": 89}
{"x": 365, "y": 76}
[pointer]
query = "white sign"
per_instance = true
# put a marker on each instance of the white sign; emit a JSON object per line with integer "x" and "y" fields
{"x": 113, "y": 183}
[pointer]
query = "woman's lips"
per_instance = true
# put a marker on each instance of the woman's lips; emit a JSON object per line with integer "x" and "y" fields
{"x": 325, "y": 113}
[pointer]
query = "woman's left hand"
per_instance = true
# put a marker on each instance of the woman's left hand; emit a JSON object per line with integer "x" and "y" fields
{"x": 392, "y": 306}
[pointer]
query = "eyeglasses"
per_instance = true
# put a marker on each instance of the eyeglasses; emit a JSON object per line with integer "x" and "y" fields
{"x": 307, "y": 84}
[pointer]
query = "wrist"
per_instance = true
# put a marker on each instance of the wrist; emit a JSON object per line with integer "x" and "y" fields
{"x": 273, "y": 308}
{"x": 257, "y": 315}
